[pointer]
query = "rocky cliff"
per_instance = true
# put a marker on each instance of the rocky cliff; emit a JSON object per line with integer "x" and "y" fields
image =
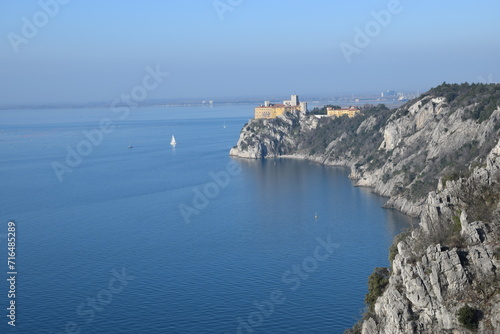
{"x": 451, "y": 261}
{"x": 438, "y": 158}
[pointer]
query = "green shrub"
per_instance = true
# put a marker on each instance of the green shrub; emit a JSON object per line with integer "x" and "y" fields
{"x": 457, "y": 225}
{"x": 377, "y": 283}
{"x": 468, "y": 317}
{"x": 393, "y": 251}
{"x": 453, "y": 176}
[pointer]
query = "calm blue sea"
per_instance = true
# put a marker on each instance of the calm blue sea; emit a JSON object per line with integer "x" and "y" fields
{"x": 156, "y": 239}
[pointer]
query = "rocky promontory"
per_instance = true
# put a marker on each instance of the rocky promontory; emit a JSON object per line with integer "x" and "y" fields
{"x": 437, "y": 158}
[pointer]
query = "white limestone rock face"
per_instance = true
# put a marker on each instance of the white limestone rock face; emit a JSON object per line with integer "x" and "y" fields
{"x": 367, "y": 125}
{"x": 272, "y": 138}
{"x": 404, "y": 205}
{"x": 428, "y": 287}
{"x": 493, "y": 160}
{"x": 370, "y": 327}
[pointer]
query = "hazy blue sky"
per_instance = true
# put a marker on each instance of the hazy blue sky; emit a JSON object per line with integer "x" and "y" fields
{"x": 96, "y": 50}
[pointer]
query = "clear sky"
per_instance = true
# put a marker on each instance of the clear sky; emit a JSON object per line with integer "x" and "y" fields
{"x": 96, "y": 50}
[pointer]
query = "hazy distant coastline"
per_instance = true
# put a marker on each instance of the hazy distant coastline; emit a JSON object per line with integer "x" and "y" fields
{"x": 343, "y": 100}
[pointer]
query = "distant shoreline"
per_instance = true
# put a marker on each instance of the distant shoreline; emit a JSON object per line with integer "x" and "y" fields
{"x": 315, "y": 101}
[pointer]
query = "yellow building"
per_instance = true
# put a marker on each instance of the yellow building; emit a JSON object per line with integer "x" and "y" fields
{"x": 350, "y": 112}
{"x": 273, "y": 110}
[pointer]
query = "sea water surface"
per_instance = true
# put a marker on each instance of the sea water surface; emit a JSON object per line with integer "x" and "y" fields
{"x": 144, "y": 240}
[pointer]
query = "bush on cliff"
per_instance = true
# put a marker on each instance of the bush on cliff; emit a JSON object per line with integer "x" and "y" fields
{"x": 468, "y": 317}
{"x": 377, "y": 283}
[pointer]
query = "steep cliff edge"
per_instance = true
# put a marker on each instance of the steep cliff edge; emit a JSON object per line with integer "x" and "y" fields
{"x": 437, "y": 157}
{"x": 450, "y": 262}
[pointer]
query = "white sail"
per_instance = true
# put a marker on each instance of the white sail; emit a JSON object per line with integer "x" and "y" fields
{"x": 173, "y": 142}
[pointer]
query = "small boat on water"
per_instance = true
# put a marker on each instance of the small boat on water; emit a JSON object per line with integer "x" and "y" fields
{"x": 224, "y": 125}
{"x": 130, "y": 145}
{"x": 173, "y": 142}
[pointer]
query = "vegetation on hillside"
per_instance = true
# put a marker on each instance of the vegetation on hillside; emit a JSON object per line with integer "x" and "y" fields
{"x": 483, "y": 98}
{"x": 353, "y": 143}
{"x": 477, "y": 103}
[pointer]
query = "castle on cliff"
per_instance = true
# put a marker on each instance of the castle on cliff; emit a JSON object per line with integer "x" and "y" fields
{"x": 273, "y": 110}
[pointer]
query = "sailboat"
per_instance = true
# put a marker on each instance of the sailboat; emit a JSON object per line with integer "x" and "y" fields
{"x": 173, "y": 142}
{"x": 130, "y": 145}
{"x": 224, "y": 125}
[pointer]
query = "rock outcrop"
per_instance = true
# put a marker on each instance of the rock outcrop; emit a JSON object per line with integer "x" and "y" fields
{"x": 272, "y": 138}
{"x": 437, "y": 158}
{"x": 450, "y": 261}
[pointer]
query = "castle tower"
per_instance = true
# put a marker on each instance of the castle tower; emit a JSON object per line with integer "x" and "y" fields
{"x": 303, "y": 107}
